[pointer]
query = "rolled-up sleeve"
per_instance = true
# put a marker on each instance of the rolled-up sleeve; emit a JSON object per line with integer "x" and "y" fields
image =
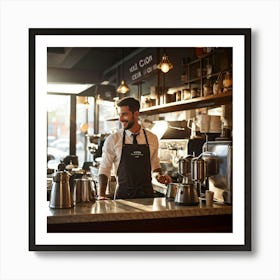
{"x": 155, "y": 162}
{"x": 108, "y": 157}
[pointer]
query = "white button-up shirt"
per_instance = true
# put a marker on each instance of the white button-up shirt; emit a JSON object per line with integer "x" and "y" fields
{"x": 112, "y": 150}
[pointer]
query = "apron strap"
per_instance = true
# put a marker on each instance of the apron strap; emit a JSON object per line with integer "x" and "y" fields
{"x": 146, "y": 136}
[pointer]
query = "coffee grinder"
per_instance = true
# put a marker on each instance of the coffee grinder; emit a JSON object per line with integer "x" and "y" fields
{"x": 184, "y": 169}
{"x": 186, "y": 191}
{"x": 203, "y": 167}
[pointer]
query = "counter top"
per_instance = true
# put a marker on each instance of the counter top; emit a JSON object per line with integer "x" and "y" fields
{"x": 132, "y": 209}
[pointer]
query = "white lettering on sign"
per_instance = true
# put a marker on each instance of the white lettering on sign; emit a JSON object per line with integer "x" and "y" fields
{"x": 136, "y": 76}
{"x": 142, "y": 67}
{"x": 133, "y": 68}
{"x": 146, "y": 60}
{"x": 150, "y": 69}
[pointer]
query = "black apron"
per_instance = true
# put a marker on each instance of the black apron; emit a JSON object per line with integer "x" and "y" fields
{"x": 134, "y": 171}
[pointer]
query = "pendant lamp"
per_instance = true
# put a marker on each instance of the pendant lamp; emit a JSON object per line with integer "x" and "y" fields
{"x": 165, "y": 65}
{"x": 123, "y": 87}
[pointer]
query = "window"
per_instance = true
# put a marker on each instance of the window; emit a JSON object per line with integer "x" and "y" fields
{"x": 107, "y": 110}
{"x": 58, "y": 115}
{"x": 84, "y": 127}
{"x": 58, "y": 118}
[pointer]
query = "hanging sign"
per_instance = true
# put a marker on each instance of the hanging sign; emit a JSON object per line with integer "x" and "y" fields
{"x": 141, "y": 66}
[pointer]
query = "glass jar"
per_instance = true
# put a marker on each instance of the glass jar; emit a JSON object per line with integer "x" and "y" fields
{"x": 194, "y": 92}
{"x": 207, "y": 88}
{"x": 227, "y": 81}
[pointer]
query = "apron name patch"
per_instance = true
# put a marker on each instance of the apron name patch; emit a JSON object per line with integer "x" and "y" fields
{"x": 136, "y": 154}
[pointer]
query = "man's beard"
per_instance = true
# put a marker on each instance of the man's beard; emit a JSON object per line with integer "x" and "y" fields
{"x": 130, "y": 124}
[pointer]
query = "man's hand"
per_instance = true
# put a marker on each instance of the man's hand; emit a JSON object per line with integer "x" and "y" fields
{"x": 163, "y": 179}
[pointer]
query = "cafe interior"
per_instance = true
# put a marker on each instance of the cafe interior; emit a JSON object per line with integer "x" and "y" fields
{"x": 186, "y": 100}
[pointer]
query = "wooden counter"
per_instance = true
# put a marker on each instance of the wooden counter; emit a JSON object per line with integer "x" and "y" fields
{"x": 140, "y": 215}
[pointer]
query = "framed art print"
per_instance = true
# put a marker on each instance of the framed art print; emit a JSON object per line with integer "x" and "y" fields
{"x": 199, "y": 106}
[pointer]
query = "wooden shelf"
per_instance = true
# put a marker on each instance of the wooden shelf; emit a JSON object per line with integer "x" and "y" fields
{"x": 195, "y": 103}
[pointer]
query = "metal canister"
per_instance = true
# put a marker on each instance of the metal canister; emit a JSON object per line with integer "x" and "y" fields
{"x": 197, "y": 169}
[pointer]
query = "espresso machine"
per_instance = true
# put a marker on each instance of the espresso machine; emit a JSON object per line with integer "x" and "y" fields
{"x": 221, "y": 183}
{"x": 212, "y": 170}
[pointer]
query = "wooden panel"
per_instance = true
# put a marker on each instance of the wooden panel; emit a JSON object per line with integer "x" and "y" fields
{"x": 213, "y": 223}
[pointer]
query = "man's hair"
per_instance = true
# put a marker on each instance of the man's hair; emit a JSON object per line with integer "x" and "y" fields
{"x": 132, "y": 103}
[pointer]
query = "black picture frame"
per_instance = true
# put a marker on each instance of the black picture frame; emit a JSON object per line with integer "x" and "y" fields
{"x": 244, "y": 33}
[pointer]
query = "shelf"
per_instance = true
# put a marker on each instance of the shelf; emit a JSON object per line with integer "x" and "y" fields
{"x": 195, "y": 103}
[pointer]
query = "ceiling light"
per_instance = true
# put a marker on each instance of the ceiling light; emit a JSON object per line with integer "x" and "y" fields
{"x": 123, "y": 88}
{"x": 70, "y": 88}
{"x": 165, "y": 65}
